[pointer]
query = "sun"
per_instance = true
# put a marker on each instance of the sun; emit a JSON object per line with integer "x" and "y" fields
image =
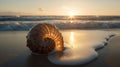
{"x": 72, "y": 13}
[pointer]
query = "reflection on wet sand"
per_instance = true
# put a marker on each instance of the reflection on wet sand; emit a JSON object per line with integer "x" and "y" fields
{"x": 80, "y": 46}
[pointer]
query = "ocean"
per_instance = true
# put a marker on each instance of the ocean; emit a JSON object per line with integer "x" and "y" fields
{"x": 24, "y": 23}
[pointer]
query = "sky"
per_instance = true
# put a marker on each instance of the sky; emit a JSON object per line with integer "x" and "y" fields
{"x": 59, "y": 7}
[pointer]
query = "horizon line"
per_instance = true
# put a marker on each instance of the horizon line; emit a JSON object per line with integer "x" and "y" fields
{"x": 57, "y": 15}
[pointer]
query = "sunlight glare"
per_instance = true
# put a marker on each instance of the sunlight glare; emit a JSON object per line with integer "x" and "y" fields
{"x": 71, "y": 36}
{"x": 72, "y": 39}
{"x": 72, "y": 13}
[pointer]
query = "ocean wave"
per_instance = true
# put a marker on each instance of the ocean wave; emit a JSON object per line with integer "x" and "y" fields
{"x": 41, "y": 18}
{"x": 26, "y": 25}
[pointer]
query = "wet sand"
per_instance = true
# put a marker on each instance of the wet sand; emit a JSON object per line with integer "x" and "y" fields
{"x": 109, "y": 56}
{"x": 20, "y": 56}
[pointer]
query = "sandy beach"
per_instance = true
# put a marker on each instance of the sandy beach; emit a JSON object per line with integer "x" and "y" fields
{"x": 14, "y": 53}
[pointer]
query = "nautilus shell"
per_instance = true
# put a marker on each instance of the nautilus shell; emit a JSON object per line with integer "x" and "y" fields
{"x": 44, "y": 38}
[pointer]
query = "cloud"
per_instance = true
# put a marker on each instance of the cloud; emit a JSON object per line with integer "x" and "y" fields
{"x": 40, "y": 9}
{"x": 13, "y": 13}
{"x": 9, "y": 13}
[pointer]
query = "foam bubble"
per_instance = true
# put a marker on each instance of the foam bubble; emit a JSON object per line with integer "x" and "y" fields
{"x": 80, "y": 46}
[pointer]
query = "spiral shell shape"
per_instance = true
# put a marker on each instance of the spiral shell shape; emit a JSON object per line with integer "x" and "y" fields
{"x": 44, "y": 38}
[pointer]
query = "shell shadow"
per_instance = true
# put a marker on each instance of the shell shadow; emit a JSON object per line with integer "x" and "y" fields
{"x": 39, "y": 60}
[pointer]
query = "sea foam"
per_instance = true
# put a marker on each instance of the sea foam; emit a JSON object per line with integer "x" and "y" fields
{"x": 80, "y": 46}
